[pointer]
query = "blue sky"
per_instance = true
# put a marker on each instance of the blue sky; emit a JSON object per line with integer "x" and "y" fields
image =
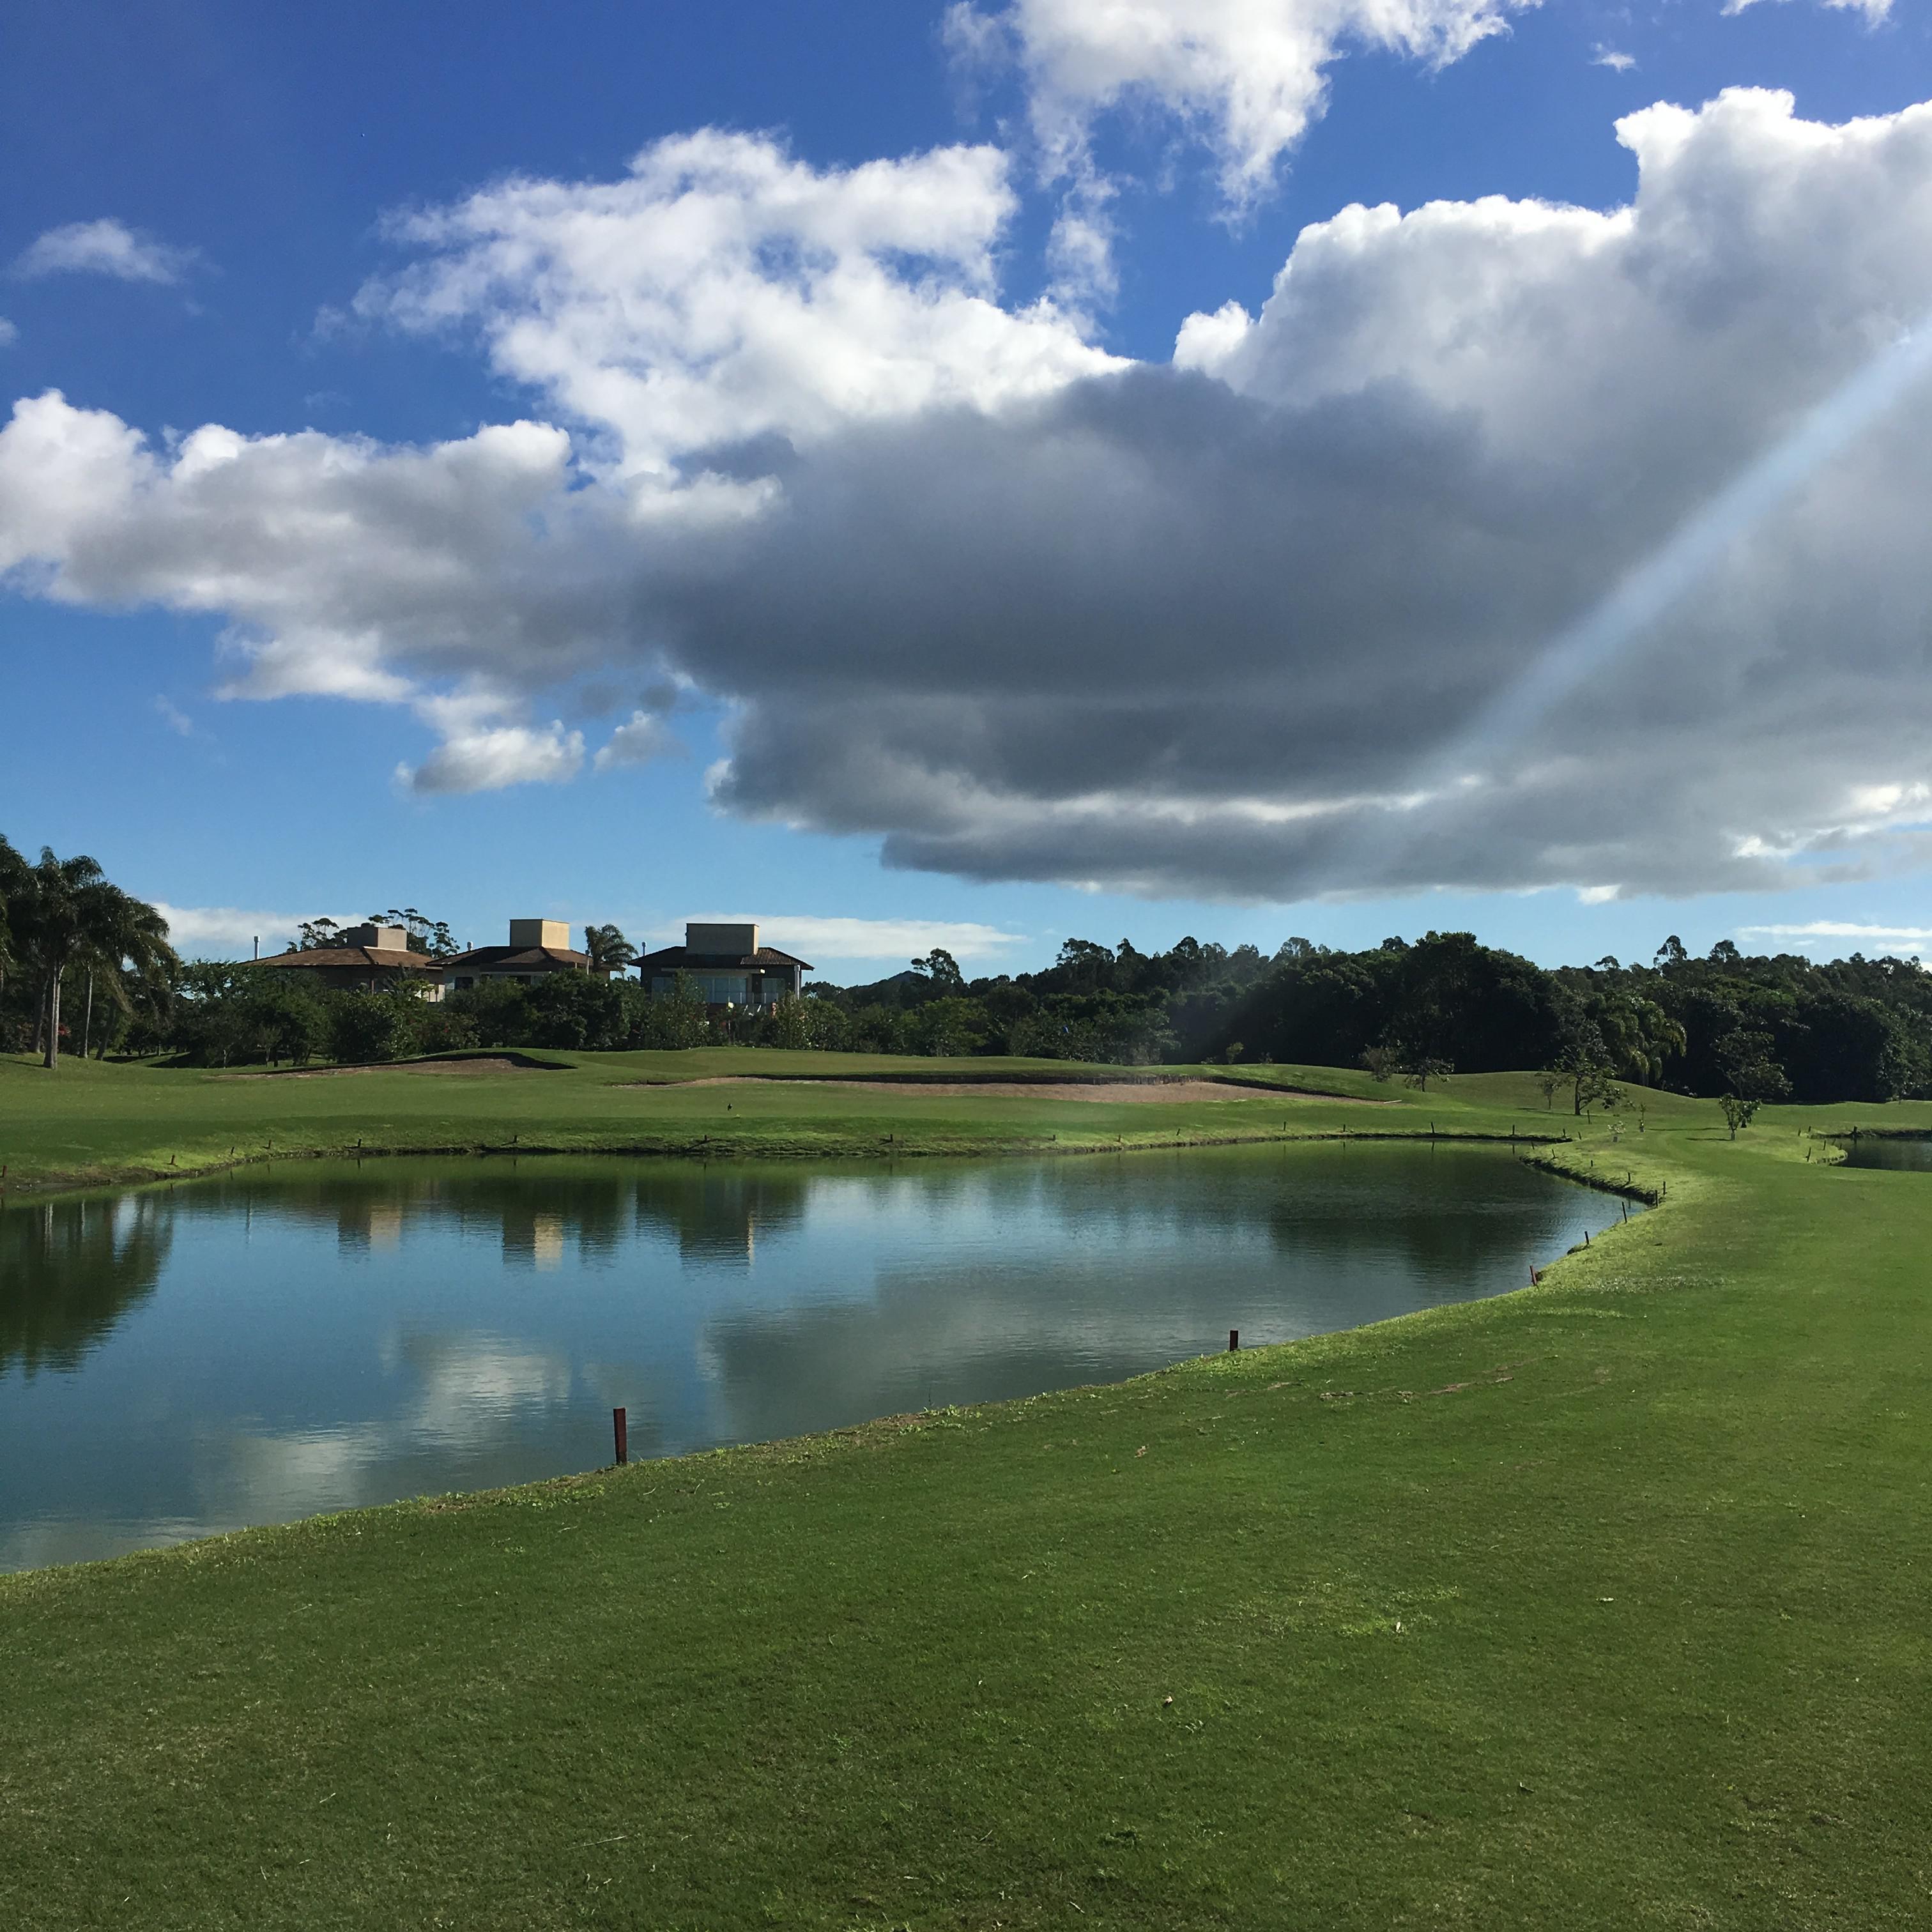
{"x": 210, "y": 224}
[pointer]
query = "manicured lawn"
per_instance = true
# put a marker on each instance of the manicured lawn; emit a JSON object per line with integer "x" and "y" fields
{"x": 1600, "y": 1605}
{"x": 91, "y": 1123}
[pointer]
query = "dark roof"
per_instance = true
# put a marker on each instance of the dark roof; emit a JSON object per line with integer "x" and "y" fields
{"x": 359, "y": 958}
{"x": 514, "y": 959}
{"x": 670, "y": 958}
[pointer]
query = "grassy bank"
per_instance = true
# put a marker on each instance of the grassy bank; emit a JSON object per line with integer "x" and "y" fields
{"x": 91, "y": 1124}
{"x": 1600, "y": 1605}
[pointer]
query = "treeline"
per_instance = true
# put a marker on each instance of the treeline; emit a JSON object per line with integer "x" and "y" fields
{"x": 225, "y": 1015}
{"x": 1765, "y": 1028}
{"x": 86, "y": 966}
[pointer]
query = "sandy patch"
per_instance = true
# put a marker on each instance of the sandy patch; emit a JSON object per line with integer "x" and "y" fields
{"x": 1165, "y": 1092}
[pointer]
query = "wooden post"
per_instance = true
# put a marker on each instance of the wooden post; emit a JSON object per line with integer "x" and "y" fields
{"x": 620, "y": 1431}
{"x": 1234, "y": 1341}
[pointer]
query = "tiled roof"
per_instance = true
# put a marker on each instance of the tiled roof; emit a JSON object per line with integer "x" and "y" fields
{"x": 671, "y": 957}
{"x": 514, "y": 959}
{"x": 356, "y": 958}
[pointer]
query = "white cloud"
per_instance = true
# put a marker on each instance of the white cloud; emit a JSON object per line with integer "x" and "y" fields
{"x": 833, "y": 938}
{"x": 174, "y": 717}
{"x": 9, "y": 334}
{"x": 105, "y": 247}
{"x": 1608, "y": 57}
{"x": 225, "y": 930}
{"x": 643, "y": 739}
{"x": 1832, "y": 929}
{"x": 1836, "y": 932}
{"x": 1874, "y": 10}
{"x": 1202, "y": 629}
{"x": 722, "y": 293}
{"x": 487, "y": 758}
{"x": 1247, "y": 76}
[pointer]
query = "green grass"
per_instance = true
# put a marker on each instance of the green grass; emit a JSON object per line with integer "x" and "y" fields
{"x": 92, "y": 1124}
{"x": 1602, "y": 1604}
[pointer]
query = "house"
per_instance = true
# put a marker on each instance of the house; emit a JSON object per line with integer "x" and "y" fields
{"x": 727, "y": 965}
{"x": 364, "y": 959}
{"x": 538, "y": 948}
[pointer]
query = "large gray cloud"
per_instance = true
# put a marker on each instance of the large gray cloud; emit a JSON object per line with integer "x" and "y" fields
{"x": 1245, "y": 624}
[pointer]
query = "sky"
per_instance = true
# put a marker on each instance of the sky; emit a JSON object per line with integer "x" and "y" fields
{"x": 972, "y": 475}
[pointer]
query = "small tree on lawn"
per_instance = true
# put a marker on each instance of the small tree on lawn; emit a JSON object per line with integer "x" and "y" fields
{"x": 1418, "y": 1070}
{"x": 1751, "y": 1076}
{"x": 1381, "y": 1059}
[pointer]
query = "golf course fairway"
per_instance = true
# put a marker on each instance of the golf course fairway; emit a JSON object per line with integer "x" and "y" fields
{"x": 1603, "y": 1603}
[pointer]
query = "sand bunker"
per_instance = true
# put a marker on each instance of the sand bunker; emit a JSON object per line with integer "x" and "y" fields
{"x": 1167, "y": 1092}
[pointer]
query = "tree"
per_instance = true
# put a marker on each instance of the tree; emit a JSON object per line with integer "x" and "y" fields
{"x": 1418, "y": 1070}
{"x": 608, "y": 949}
{"x": 366, "y": 1027}
{"x": 1381, "y": 1059}
{"x": 64, "y": 912}
{"x": 123, "y": 944}
{"x": 422, "y": 934}
{"x": 1749, "y": 1072}
{"x": 1583, "y": 1066}
{"x": 676, "y": 1019}
{"x": 1738, "y": 1111}
{"x": 941, "y": 970}
{"x": 1594, "y": 1088}
{"x": 316, "y": 935}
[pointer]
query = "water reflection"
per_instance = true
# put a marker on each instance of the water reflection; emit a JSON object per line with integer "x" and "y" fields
{"x": 70, "y": 1270}
{"x": 1902, "y": 1153}
{"x": 268, "y": 1345}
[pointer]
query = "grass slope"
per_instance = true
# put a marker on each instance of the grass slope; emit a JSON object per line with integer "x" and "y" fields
{"x": 1599, "y": 1605}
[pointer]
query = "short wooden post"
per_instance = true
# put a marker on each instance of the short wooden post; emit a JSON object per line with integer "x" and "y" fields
{"x": 1234, "y": 1341}
{"x": 620, "y": 1431}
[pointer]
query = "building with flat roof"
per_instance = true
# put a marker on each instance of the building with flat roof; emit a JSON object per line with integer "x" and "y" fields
{"x": 727, "y": 967}
{"x": 538, "y": 948}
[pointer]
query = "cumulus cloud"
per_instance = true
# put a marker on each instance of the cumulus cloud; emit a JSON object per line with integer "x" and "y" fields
{"x": 642, "y": 739}
{"x": 104, "y": 247}
{"x": 487, "y": 758}
{"x": 1608, "y": 57}
{"x": 722, "y": 295}
{"x": 1247, "y": 76}
{"x": 1244, "y": 625}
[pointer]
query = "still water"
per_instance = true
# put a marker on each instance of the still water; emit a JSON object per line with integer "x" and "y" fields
{"x": 272, "y": 1344}
{"x": 1911, "y": 1155}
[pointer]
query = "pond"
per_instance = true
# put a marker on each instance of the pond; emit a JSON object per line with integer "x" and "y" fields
{"x": 319, "y": 1336}
{"x": 1899, "y": 1151}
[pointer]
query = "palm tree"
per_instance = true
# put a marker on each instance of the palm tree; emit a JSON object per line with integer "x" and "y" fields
{"x": 608, "y": 949}
{"x": 13, "y": 885}
{"x": 68, "y": 913}
{"x": 125, "y": 939}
